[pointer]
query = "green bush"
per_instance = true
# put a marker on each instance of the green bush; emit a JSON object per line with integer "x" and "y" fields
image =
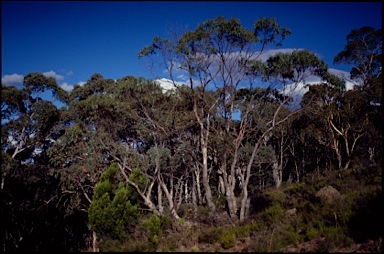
{"x": 311, "y": 232}
{"x": 210, "y": 235}
{"x": 111, "y": 211}
{"x": 127, "y": 246}
{"x": 242, "y": 231}
{"x": 276, "y": 195}
{"x": 273, "y": 213}
{"x": 203, "y": 211}
{"x": 153, "y": 227}
{"x": 228, "y": 239}
{"x": 290, "y": 238}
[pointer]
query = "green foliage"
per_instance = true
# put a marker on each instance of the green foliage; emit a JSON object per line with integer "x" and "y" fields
{"x": 203, "y": 211}
{"x": 228, "y": 238}
{"x": 291, "y": 235}
{"x": 276, "y": 195}
{"x": 110, "y": 245}
{"x": 210, "y": 235}
{"x": 244, "y": 230}
{"x": 273, "y": 213}
{"x": 311, "y": 232}
{"x": 105, "y": 117}
{"x": 111, "y": 212}
{"x": 154, "y": 225}
{"x": 363, "y": 43}
{"x": 138, "y": 177}
{"x": 220, "y": 201}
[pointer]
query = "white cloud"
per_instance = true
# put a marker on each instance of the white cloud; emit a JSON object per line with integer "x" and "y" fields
{"x": 53, "y": 74}
{"x": 70, "y": 73}
{"x": 296, "y": 91}
{"x": 182, "y": 77}
{"x": 271, "y": 52}
{"x": 69, "y": 88}
{"x": 167, "y": 84}
{"x": 344, "y": 75}
{"x": 66, "y": 87}
{"x": 13, "y": 79}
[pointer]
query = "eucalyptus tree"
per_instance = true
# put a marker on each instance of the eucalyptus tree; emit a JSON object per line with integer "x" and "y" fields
{"x": 29, "y": 127}
{"x": 155, "y": 125}
{"x": 346, "y": 118}
{"x": 214, "y": 57}
{"x": 77, "y": 158}
{"x": 363, "y": 53}
{"x": 283, "y": 72}
{"x": 220, "y": 57}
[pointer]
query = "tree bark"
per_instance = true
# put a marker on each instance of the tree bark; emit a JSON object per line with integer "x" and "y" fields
{"x": 244, "y": 204}
{"x": 194, "y": 199}
{"x": 94, "y": 242}
{"x": 277, "y": 173}
{"x": 207, "y": 187}
{"x": 198, "y": 188}
{"x": 160, "y": 198}
{"x": 204, "y": 134}
{"x": 170, "y": 200}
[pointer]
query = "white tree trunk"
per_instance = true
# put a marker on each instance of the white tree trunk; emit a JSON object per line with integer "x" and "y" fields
{"x": 277, "y": 173}
{"x": 160, "y": 198}
{"x": 170, "y": 200}
{"x": 186, "y": 192}
{"x": 194, "y": 199}
{"x": 94, "y": 242}
{"x": 198, "y": 188}
{"x": 221, "y": 187}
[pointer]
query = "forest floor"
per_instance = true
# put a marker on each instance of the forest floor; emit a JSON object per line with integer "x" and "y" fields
{"x": 340, "y": 213}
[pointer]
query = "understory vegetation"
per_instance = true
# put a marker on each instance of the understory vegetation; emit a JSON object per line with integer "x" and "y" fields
{"x": 242, "y": 154}
{"x": 354, "y": 219}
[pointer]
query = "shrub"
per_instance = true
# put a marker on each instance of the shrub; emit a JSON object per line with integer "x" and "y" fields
{"x": 242, "y": 231}
{"x": 276, "y": 195}
{"x": 153, "y": 226}
{"x": 311, "y": 232}
{"x": 228, "y": 239}
{"x": 111, "y": 211}
{"x": 273, "y": 213}
{"x": 290, "y": 237}
{"x": 203, "y": 211}
{"x": 210, "y": 235}
{"x": 128, "y": 246}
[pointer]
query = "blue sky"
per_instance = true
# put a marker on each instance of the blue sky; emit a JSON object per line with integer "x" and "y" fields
{"x": 71, "y": 40}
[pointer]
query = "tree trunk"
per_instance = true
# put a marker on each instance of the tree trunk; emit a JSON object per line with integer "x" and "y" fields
{"x": 204, "y": 134}
{"x": 346, "y": 166}
{"x": 277, "y": 173}
{"x": 221, "y": 188}
{"x": 186, "y": 193}
{"x": 244, "y": 205}
{"x": 146, "y": 197}
{"x": 94, "y": 242}
{"x": 180, "y": 198}
{"x": 194, "y": 199}
{"x": 198, "y": 188}
{"x": 160, "y": 198}
{"x": 232, "y": 205}
{"x": 170, "y": 200}
{"x": 207, "y": 188}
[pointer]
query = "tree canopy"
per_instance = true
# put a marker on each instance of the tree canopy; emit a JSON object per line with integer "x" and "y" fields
{"x": 126, "y": 151}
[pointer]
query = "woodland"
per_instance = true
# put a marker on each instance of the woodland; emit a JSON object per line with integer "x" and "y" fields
{"x": 235, "y": 159}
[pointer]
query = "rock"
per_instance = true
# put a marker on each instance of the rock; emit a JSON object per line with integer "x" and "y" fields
{"x": 329, "y": 194}
{"x": 290, "y": 213}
